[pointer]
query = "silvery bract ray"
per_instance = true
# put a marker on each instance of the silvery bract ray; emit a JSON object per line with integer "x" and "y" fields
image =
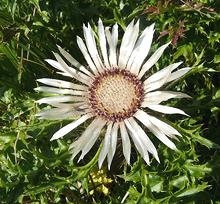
{"x": 112, "y": 91}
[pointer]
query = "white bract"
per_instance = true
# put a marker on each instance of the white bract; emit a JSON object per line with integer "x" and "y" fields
{"x": 112, "y": 91}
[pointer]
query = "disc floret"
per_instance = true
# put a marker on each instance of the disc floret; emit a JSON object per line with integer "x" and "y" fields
{"x": 115, "y": 94}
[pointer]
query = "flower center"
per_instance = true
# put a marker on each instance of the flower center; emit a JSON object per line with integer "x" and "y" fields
{"x": 116, "y": 94}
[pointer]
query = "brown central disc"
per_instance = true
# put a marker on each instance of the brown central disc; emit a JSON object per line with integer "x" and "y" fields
{"x": 116, "y": 94}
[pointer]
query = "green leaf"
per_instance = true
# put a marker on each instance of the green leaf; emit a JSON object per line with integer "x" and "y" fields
{"x": 217, "y": 59}
{"x": 206, "y": 142}
{"x": 191, "y": 190}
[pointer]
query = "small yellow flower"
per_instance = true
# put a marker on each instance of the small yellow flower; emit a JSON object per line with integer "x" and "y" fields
{"x": 99, "y": 181}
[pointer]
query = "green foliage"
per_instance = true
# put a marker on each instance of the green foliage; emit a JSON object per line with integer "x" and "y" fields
{"x": 35, "y": 170}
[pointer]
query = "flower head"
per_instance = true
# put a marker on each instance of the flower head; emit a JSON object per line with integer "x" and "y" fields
{"x": 113, "y": 91}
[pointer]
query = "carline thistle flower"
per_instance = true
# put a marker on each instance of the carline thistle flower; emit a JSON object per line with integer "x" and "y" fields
{"x": 113, "y": 91}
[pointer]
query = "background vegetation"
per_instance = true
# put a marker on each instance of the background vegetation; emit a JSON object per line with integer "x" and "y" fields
{"x": 35, "y": 170}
